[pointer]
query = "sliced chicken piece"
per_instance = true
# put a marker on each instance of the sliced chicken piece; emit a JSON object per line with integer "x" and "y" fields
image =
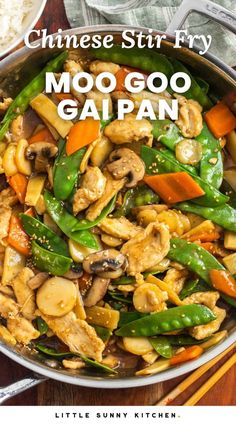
{"x": 208, "y": 299}
{"x": 176, "y": 278}
{"x": 4, "y": 104}
{"x": 77, "y": 334}
{"x": 201, "y": 331}
{"x": 98, "y": 98}
{"x": 98, "y": 66}
{"x": 22, "y": 329}
{"x": 8, "y": 307}
{"x": 8, "y": 197}
{"x": 17, "y": 128}
{"x": 147, "y": 248}
{"x": 73, "y": 363}
{"x": 5, "y": 216}
{"x": 97, "y": 291}
{"x": 24, "y": 294}
{"x": 129, "y": 130}
{"x": 190, "y": 120}
{"x": 73, "y": 68}
{"x": 119, "y": 227}
{"x": 92, "y": 188}
{"x": 111, "y": 189}
{"x": 6, "y": 336}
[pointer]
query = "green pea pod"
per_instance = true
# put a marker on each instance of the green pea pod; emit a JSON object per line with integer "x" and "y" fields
{"x": 196, "y": 259}
{"x": 195, "y": 91}
{"x": 62, "y": 355}
{"x": 138, "y": 196}
{"x": 167, "y": 133}
{"x": 192, "y": 170}
{"x": 98, "y": 365}
{"x": 66, "y": 172}
{"x": 146, "y": 60}
{"x": 193, "y": 287}
{"x": 126, "y": 317}
{"x": 120, "y": 297}
{"x": 36, "y": 86}
{"x": 44, "y": 236}
{"x": 211, "y": 165}
{"x": 184, "y": 340}
{"x": 229, "y": 191}
{"x": 50, "y": 262}
{"x": 156, "y": 161}
{"x": 162, "y": 346}
{"x": 203, "y": 84}
{"x": 41, "y": 325}
{"x": 85, "y": 224}
{"x": 103, "y": 333}
{"x": 49, "y": 351}
{"x": 66, "y": 222}
{"x": 224, "y": 215}
{"x": 172, "y": 319}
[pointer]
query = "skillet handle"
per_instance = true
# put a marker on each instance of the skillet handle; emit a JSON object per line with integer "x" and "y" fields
{"x": 19, "y": 386}
{"x": 205, "y": 7}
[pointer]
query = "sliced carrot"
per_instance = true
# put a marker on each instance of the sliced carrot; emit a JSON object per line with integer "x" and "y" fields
{"x": 210, "y": 247}
{"x": 205, "y": 237}
{"x": 188, "y": 354}
{"x": 42, "y": 135}
{"x": 122, "y": 74}
{"x": 17, "y": 238}
{"x": 220, "y": 120}
{"x": 223, "y": 281}
{"x": 30, "y": 212}
{"x": 64, "y": 96}
{"x": 19, "y": 183}
{"x": 82, "y": 134}
{"x": 174, "y": 187}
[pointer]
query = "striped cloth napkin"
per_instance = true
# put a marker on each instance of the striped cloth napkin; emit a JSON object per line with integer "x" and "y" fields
{"x": 154, "y": 14}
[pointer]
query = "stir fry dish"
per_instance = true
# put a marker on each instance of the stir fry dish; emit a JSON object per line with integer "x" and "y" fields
{"x": 117, "y": 237}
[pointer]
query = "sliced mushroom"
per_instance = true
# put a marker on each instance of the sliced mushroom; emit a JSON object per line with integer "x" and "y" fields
{"x": 41, "y": 152}
{"x": 108, "y": 261}
{"x": 97, "y": 291}
{"x": 125, "y": 163}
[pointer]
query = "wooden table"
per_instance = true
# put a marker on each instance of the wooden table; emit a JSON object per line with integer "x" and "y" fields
{"x": 57, "y": 393}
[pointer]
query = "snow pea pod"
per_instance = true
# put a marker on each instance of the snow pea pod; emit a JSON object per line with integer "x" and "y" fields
{"x": 66, "y": 171}
{"x": 50, "y": 262}
{"x": 192, "y": 287}
{"x": 36, "y": 86}
{"x": 138, "y": 196}
{"x": 166, "y": 132}
{"x": 198, "y": 260}
{"x": 159, "y": 161}
{"x": 44, "y": 236}
{"x": 192, "y": 170}
{"x": 223, "y": 215}
{"x": 229, "y": 191}
{"x": 195, "y": 91}
{"x": 147, "y": 60}
{"x": 211, "y": 165}
{"x": 162, "y": 346}
{"x": 66, "y": 222}
{"x": 102, "y": 332}
{"x": 184, "y": 340}
{"x": 126, "y": 317}
{"x": 193, "y": 257}
{"x": 172, "y": 319}
{"x": 41, "y": 325}
{"x": 84, "y": 224}
{"x": 62, "y": 355}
